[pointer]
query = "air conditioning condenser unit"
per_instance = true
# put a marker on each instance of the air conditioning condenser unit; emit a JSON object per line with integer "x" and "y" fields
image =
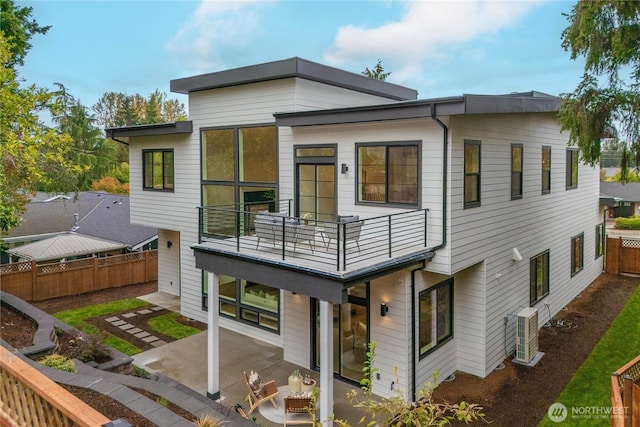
{"x": 526, "y": 335}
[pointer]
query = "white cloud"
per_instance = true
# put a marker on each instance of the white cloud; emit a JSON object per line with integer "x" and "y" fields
{"x": 427, "y": 31}
{"x": 213, "y": 27}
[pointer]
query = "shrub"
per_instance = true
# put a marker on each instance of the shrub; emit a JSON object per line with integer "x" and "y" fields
{"x": 208, "y": 420}
{"x": 632, "y": 223}
{"x": 88, "y": 348}
{"x": 137, "y": 371}
{"x": 110, "y": 185}
{"x": 59, "y": 362}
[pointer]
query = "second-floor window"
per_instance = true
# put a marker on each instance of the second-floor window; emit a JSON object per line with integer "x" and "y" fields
{"x": 516, "y": 171}
{"x": 157, "y": 169}
{"x": 471, "y": 173}
{"x": 546, "y": 169}
{"x": 388, "y": 173}
{"x": 572, "y": 168}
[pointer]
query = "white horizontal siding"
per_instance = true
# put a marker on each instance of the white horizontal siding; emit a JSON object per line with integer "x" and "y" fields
{"x": 169, "y": 262}
{"x": 296, "y": 329}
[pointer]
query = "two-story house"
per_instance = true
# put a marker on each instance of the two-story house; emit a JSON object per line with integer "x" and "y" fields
{"x": 460, "y": 211}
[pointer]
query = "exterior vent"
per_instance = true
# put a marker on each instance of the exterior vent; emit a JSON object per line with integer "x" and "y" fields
{"x": 527, "y": 335}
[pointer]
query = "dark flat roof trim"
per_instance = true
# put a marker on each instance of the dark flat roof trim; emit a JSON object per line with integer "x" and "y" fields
{"x": 174, "y": 128}
{"x": 530, "y": 102}
{"x": 288, "y": 68}
{"x": 308, "y": 280}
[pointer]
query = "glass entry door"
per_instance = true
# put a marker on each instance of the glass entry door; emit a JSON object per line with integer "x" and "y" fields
{"x": 350, "y": 335}
{"x": 316, "y": 191}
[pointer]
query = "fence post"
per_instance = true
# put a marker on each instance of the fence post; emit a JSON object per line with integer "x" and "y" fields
{"x": 627, "y": 398}
{"x": 34, "y": 280}
{"x": 95, "y": 273}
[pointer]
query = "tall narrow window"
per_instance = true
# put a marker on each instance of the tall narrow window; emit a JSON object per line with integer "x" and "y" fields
{"x": 388, "y": 173}
{"x": 577, "y": 254}
{"x": 471, "y": 174}
{"x": 572, "y": 168}
{"x": 516, "y": 171}
{"x": 600, "y": 239}
{"x": 539, "y": 277}
{"x": 436, "y": 316}
{"x": 546, "y": 169}
{"x": 157, "y": 170}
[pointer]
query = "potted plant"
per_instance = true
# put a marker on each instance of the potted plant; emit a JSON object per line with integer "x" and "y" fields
{"x": 308, "y": 384}
{"x": 295, "y": 382}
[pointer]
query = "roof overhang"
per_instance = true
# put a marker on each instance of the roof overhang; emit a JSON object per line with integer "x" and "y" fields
{"x": 324, "y": 285}
{"x": 610, "y": 200}
{"x": 174, "y": 128}
{"x": 529, "y": 102}
{"x": 289, "y": 68}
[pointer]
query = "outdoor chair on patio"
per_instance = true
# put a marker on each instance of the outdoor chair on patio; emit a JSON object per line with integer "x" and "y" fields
{"x": 349, "y": 225}
{"x": 299, "y": 410}
{"x": 259, "y": 392}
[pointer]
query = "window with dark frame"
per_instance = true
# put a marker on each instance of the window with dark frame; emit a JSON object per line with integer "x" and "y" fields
{"x": 516, "y": 170}
{"x": 435, "y": 316}
{"x": 600, "y": 240}
{"x": 539, "y": 277}
{"x": 546, "y": 169}
{"x": 577, "y": 254}
{"x": 572, "y": 168}
{"x": 388, "y": 173}
{"x": 157, "y": 170}
{"x": 471, "y": 173}
{"x": 247, "y": 302}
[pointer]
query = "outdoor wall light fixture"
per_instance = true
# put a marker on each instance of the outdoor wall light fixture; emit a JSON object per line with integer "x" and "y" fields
{"x": 345, "y": 168}
{"x": 169, "y": 243}
{"x": 384, "y": 309}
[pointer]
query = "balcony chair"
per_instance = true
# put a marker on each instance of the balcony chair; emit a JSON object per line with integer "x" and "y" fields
{"x": 351, "y": 225}
{"x": 300, "y": 405}
{"x": 259, "y": 392}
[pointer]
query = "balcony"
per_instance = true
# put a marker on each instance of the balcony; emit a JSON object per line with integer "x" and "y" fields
{"x": 337, "y": 251}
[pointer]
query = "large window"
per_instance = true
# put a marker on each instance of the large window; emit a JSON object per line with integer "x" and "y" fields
{"x": 247, "y": 302}
{"x": 516, "y": 171}
{"x": 577, "y": 254}
{"x": 471, "y": 174}
{"x": 157, "y": 170}
{"x": 546, "y": 169}
{"x": 436, "y": 316}
{"x": 572, "y": 168}
{"x": 388, "y": 173}
{"x": 600, "y": 239}
{"x": 539, "y": 277}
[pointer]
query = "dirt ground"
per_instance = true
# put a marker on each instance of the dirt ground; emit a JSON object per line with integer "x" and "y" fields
{"x": 513, "y": 396}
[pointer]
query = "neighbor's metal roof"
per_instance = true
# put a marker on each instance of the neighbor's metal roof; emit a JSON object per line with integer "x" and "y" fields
{"x": 63, "y": 246}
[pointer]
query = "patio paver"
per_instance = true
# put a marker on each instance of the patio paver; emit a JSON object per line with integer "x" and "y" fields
{"x": 112, "y": 319}
{"x": 129, "y": 315}
{"x": 142, "y": 334}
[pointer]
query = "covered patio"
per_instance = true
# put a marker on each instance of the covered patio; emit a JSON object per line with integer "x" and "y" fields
{"x": 186, "y": 362}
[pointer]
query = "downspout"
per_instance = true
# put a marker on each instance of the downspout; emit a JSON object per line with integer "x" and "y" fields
{"x": 445, "y": 156}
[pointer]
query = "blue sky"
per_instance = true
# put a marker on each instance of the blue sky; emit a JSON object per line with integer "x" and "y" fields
{"x": 440, "y": 48}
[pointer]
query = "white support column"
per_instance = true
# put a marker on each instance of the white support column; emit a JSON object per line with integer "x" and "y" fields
{"x": 213, "y": 343}
{"x": 326, "y": 363}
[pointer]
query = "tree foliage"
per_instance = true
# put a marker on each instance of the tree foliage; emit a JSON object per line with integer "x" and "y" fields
{"x": 377, "y": 72}
{"x": 18, "y": 27}
{"x": 29, "y": 150}
{"x": 606, "y": 102}
{"x": 115, "y": 109}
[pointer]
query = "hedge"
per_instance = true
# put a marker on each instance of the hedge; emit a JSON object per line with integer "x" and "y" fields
{"x": 632, "y": 223}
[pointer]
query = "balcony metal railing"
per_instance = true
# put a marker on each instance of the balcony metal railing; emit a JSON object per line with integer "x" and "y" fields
{"x": 335, "y": 245}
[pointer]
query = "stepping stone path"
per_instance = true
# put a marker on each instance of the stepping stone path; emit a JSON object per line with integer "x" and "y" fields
{"x": 137, "y": 332}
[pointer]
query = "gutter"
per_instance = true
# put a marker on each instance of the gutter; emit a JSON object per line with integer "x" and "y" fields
{"x": 445, "y": 154}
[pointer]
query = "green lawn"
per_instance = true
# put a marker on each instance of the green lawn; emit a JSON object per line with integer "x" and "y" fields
{"x": 168, "y": 325}
{"x": 591, "y": 386}
{"x": 165, "y": 324}
{"x": 77, "y": 317}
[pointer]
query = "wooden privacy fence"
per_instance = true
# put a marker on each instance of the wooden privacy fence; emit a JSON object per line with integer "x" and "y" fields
{"x": 623, "y": 255}
{"x": 32, "y": 282}
{"x": 625, "y": 395}
{"x": 29, "y": 398}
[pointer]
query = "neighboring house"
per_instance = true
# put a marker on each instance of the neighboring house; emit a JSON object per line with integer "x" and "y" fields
{"x": 506, "y": 218}
{"x": 91, "y": 213}
{"x": 65, "y": 247}
{"x": 627, "y": 195}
